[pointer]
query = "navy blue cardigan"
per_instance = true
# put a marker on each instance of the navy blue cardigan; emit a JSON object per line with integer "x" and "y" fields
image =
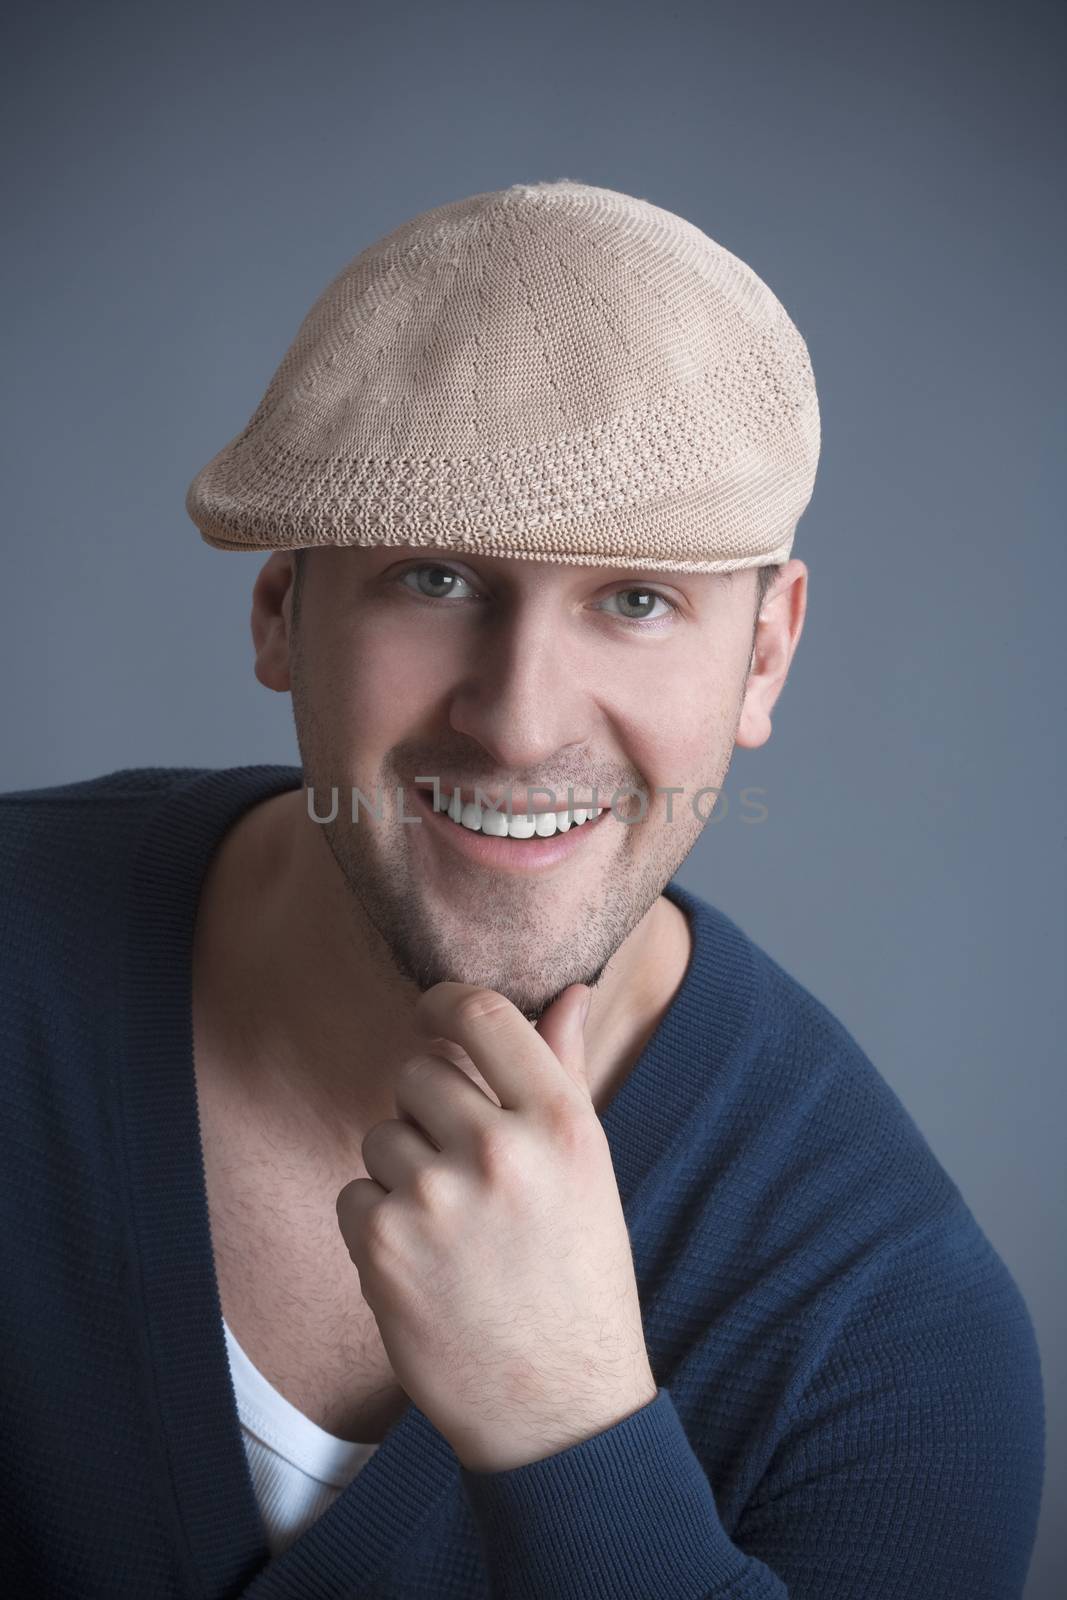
{"x": 850, "y": 1400}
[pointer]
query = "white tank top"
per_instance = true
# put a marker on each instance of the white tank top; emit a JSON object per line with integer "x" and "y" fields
{"x": 298, "y": 1469}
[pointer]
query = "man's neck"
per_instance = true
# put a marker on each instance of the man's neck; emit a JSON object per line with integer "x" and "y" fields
{"x": 307, "y": 1021}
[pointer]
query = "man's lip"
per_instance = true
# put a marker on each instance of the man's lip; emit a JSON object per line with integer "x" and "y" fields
{"x": 513, "y": 857}
{"x": 500, "y": 802}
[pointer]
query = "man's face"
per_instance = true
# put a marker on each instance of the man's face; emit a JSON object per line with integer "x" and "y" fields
{"x": 490, "y": 672}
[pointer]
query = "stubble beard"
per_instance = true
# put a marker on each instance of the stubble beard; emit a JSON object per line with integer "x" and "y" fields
{"x": 498, "y": 931}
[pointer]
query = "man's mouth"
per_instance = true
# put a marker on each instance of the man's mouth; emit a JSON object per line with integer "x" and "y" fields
{"x": 538, "y": 846}
{"x": 497, "y": 824}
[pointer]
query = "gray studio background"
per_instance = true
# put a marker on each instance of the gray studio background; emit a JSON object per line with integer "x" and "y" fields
{"x": 181, "y": 182}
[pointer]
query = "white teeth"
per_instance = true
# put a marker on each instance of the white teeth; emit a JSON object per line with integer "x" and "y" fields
{"x": 498, "y": 824}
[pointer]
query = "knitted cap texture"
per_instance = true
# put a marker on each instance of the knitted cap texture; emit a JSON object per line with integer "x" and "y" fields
{"x": 551, "y": 371}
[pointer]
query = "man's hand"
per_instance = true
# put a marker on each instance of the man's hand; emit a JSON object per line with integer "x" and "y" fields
{"x": 490, "y": 1240}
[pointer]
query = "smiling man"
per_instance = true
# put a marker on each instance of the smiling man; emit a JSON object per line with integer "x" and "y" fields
{"x": 411, "y": 1189}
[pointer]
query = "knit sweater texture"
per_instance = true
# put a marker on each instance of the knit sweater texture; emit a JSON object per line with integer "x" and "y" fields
{"x": 850, "y": 1401}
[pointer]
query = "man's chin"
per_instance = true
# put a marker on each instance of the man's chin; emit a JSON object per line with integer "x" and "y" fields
{"x": 528, "y": 994}
{"x": 532, "y": 1002}
{"x": 425, "y": 947}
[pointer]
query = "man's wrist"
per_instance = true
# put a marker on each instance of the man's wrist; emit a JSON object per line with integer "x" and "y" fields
{"x": 572, "y": 1424}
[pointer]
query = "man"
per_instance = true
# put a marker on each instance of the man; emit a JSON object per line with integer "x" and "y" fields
{"x": 413, "y": 1190}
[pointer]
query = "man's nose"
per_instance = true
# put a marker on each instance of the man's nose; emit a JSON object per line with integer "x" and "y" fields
{"x": 524, "y": 697}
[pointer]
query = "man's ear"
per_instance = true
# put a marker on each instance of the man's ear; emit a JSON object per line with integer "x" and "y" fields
{"x": 271, "y": 620}
{"x": 778, "y": 630}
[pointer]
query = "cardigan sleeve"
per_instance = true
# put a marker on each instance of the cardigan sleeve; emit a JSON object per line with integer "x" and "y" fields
{"x": 911, "y": 1462}
{"x": 629, "y": 1512}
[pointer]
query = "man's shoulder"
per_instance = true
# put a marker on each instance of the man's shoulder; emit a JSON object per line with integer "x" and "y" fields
{"x": 123, "y": 784}
{"x": 65, "y": 851}
{"x": 67, "y": 848}
{"x": 73, "y": 826}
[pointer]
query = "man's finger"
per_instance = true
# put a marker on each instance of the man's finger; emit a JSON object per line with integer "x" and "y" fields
{"x": 516, "y": 1063}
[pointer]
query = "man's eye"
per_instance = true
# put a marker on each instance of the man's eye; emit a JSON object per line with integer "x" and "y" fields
{"x": 640, "y": 600}
{"x": 433, "y": 582}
